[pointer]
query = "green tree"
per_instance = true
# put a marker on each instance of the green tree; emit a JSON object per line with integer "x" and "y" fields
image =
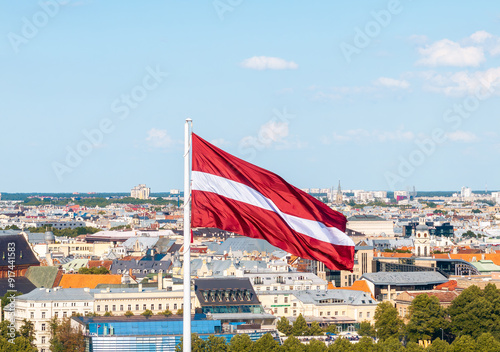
{"x": 464, "y": 343}
{"x": 438, "y": 345}
{"x": 216, "y": 344}
{"x": 427, "y": 317}
{"x": 470, "y": 314}
{"x": 315, "y": 329}
{"x": 27, "y": 330}
{"x": 265, "y": 343}
{"x": 108, "y": 314}
{"x": 284, "y": 326}
{"x": 316, "y": 346}
{"x": 366, "y": 329}
{"x": 197, "y": 344}
{"x": 365, "y": 344}
{"x": 299, "y": 326}
{"x": 240, "y": 343}
{"x": 94, "y": 271}
{"x": 414, "y": 347}
{"x": 341, "y": 345}
{"x": 391, "y": 344}
{"x": 387, "y": 322}
{"x": 179, "y": 312}
{"x": 487, "y": 343}
{"x": 65, "y": 338}
{"x": 332, "y": 328}
{"x": 166, "y": 313}
{"x": 292, "y": 344}
{"x": 129, "y": 313}
{"x": 147, "y": 313}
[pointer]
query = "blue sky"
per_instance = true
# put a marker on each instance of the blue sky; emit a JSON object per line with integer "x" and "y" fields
{"x": 381, "y": 95}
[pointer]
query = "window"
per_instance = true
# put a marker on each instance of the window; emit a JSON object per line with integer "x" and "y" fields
{"x": 114, "y": 307}
{"x": 129, "y": 307}
{"x": 152, "y": 307}
{"x": 65, "y": 314}
{"x": 320, "y": 314}
{"x": 136, "y": 307}
{"x": 343, "y": 313}
{"x": 43, "y": 339}
{"x": 56, "y": 314}
{"x": 295, "y": 304}
{"x": 367, "y": 314}
{"x": 106, "y": 308}
{"x": 159, "y": 306}
{"x": 121, "y": 307}
{"x": 175, "y": 305}
{"x": 336, "y": 313}
{"x": 32, "y": 305}
{"x": 286, "y": 299}
{"x": 294, "y": 313}
{"x": 32, "y": 315}
{"x": 275, "y": 300}
{"x": 361, "y": 314}
{"x": 43, "y": 315}
{"x": 285, "y": 310}
{"x": 43, "y": 327}
{"x": 56, "y": 304}
{"x": 144, "y": 307}
{"x": 328, "y": 313}
{"x": 98, "y": 308}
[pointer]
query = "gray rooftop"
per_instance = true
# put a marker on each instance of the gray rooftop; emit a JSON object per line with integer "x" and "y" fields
{"x": 334, "y": 296}
{"x": 245, "y": 244}
{"x": 67, "y": 294}
{"x": 405, "y": 278}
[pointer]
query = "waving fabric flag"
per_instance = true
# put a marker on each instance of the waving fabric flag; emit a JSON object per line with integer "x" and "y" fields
{"x": 233, "y": 195}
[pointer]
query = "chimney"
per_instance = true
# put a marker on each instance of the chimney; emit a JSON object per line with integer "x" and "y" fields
{"x": 160, "y": 281}
{"x": 140, "y": 287}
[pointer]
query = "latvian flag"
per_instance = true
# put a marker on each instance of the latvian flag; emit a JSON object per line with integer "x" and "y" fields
{"x": 233, "y": 195}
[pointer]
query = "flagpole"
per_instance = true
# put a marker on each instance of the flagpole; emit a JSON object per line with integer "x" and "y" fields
{"x": 187, "y": 238}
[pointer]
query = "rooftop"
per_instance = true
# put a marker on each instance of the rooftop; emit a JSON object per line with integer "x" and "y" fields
{"x": 405, "y": 278}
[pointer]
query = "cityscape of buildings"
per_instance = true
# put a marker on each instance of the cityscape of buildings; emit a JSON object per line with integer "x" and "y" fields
{"x": 116, "y": 270}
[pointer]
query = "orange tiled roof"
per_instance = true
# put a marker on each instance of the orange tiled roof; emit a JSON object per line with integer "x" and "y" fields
{"x": 441, "y": 256}
{"x": 131, "y": 257}
{"x": 359, "y": 285}
{"x": 88, "y": 280}
{"x": 99, "y": 263}
{"x": 395, "y": 255}
{"x": 444, "y": 297}
{"x": 450, "y": 285}
{"x": 495, "y": 257}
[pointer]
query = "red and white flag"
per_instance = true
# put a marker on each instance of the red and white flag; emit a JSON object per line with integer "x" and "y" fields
{"x": 233, "y": 195}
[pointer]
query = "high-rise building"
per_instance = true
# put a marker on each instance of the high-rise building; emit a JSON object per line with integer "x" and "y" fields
{"x": 141, "y": 192}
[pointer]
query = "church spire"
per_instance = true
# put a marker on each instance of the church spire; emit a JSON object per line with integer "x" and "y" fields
{"x": 339, "y": 198}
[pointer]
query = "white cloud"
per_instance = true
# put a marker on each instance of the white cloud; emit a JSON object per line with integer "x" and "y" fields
{"x": 480, "y": 36}
{"x": 461, "y": 136}
{"x": 220, "y": 142}
{"x": 363, "y": 135}
{"x": 449, "y": 53}
{"x": 268, "y": 63}
{"x": 392, "y": 83}
{"x": 159, "y": 139}
{"x": 418, "y": 39}
{"x": 463, "y": 82}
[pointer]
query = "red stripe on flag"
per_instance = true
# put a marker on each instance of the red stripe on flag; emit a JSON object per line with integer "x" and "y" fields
{"x": 289, "y": 199}
{"x": 212, "y": 210}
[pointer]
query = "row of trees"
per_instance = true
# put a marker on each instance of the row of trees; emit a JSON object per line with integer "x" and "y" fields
{"x": 242, "y": 343}
{"x": 473, "y": 313}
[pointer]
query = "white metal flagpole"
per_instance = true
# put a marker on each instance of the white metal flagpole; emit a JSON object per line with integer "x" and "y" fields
{"x": 187, "y": 238}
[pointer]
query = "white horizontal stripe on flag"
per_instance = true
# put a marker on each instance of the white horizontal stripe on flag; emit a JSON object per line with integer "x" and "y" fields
{"x": 240, "y": 192}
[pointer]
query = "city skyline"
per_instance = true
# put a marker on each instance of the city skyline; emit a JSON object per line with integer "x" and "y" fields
{"x": 95, "y": 94}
